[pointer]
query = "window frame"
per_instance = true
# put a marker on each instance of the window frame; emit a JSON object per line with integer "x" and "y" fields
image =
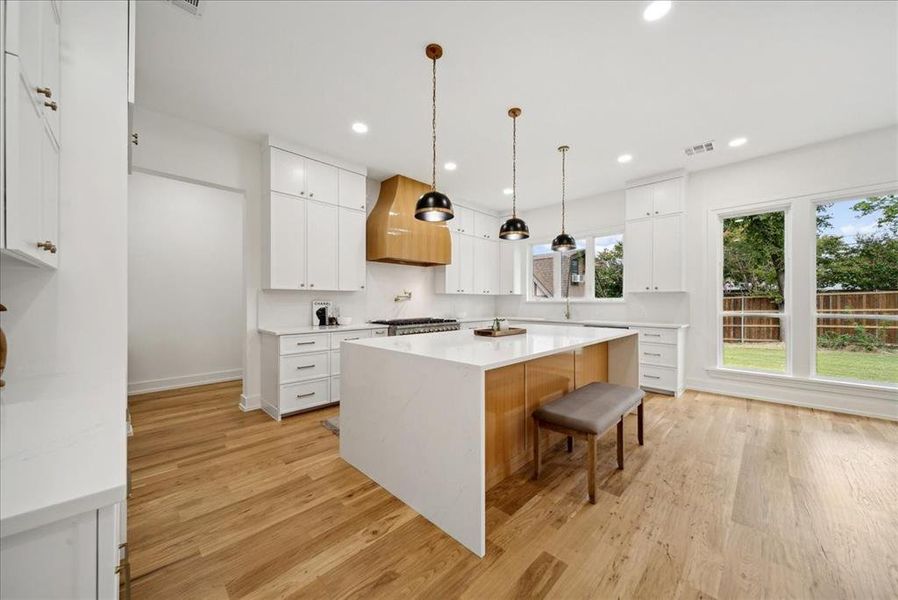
{"x": 785, "y": 316}
{"x": 814, "y": 316}
{"x": 590, "y": 238}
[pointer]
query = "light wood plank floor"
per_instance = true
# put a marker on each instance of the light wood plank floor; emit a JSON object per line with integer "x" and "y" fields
{"x": 728, "y": 498}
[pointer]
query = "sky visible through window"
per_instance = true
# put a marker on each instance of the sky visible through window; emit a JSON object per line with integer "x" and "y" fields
{"x": 848, "y": 224}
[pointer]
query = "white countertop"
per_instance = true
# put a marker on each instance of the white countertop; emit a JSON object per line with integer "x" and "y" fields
{"x": 490, "y": 353}
{"x": 600, "y": 323}
{"x": 62, "y": 450}
{"x": 318, "y": 329}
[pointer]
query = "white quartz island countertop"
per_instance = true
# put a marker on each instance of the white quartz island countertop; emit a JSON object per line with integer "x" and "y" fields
{"x": 491, "y": 353}
{"x": 414, "y": 410}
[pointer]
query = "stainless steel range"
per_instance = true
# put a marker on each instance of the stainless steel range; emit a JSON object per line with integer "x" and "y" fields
{"x": 426, "y": 325}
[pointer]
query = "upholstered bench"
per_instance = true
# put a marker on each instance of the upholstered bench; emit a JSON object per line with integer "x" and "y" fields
{"x": 588, "y": 413}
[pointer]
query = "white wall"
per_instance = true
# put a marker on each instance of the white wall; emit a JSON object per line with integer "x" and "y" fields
{"x": 180, "y": 149}
{"x": 185, "y": 280}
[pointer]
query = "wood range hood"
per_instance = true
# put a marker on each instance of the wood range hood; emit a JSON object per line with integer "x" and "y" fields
{"x": 394, "y": 235}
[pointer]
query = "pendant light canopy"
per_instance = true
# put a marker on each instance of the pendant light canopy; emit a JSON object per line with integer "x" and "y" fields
{"x": 563, "y": 241}
{"x": 434, "y": 205}
{"x": 514, "y": 228}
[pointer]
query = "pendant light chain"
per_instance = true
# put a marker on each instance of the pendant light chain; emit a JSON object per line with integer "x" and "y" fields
{"x": 563, "y": 154}
{"x": 433, "y": 124}
{"x": 514, "y": 167}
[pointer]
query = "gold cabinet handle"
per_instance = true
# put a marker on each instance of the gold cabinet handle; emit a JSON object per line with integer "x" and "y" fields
{"x": 51, "y": 105}
{"x": 48, "y": 246}
{"x": 134, "y": 138}
{"x": 45, "y": 91}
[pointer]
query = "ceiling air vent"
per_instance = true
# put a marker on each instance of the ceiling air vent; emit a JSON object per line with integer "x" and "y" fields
{"x": 191, "y": 6}
{"x": 700, "y": 148}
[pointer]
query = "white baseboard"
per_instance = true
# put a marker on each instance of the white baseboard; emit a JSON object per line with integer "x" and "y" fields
{"x": 844, "y": 402}
{"x": 172, "y": 383}
{"x": 248, "y": 403}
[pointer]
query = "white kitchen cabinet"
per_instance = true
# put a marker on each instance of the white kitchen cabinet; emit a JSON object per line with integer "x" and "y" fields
{"x": 322, "y": 246}
{"x": 463, "y": 222}
{"x": 486, "y": 266}
{"x": 48, "y": 80}
{"x": 321, "y": 182}
{"x": 662, "y": 358}
{"x": 510, "y": 268}
{"x": 286, "y": 243}
{"x": 655, "y": 199}
{"x": 486, "y": 226}
{"x": 77, "y": 557}
{"x": 638, "y": 263}
{"x": 352, "y": 192}
{"x": 287, "y": 172}
{"x": 667, "y": 254}
{"x": 351, "y": 269}
{"x": 458, "y": 276}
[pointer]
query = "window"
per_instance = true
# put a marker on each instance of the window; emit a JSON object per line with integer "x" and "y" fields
{"x": 578, "y": 274}
{"x": 753, "y": 300}
{"x": 856, "y": 316}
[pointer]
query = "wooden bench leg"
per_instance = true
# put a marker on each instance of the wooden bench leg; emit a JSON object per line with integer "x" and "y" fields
{"x": 570, "y": 443}
{"x": 537, "y": 463}
{"x": 620, "y": 443}
{"x": 591, "y": 465}
{"x": 639, "y": 416}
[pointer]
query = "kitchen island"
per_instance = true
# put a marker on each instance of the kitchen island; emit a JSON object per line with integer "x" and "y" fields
{"x": 437, "y": 419}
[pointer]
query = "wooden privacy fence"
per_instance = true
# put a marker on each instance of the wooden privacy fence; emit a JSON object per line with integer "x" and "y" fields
{"x": 767, "y": 329}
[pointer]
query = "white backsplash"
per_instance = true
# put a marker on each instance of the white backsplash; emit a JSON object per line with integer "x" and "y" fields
{"x": 385, "y": 282}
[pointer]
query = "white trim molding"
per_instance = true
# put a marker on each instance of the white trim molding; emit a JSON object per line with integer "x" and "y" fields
{"x": 250, "y": 403}
{"x": 181, "y": 381}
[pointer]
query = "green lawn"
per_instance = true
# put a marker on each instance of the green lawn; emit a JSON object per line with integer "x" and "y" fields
{"x": 863, "y": 366}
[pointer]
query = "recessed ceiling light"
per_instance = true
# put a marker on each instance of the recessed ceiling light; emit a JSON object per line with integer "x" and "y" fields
{"x": 360, "y": 127}
{"x": 736, "y": 142}
{"x": 450, "y": 166}
{"x": 624, "y": 158}
{"x": 656, "y": 10}
{"x": 508, "y": 191}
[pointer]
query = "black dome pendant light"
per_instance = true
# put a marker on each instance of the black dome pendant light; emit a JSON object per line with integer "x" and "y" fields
{"x": 434, "y": 206}
{"x": 514, "y": 228}
{"x": 563, "y": 241}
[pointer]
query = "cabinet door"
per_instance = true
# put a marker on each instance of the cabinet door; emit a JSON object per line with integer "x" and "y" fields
{"x": 667, "y": 197}
{"x": 463, "y": 221}
{"x": 24, "y": 190}
{"x": 639, "y": 202}
{"x": 288, "y": 173}
{"x": 49, "y": 75}
{"x": 322, "y": 248}
{"x": 485, "y": 268}
{"x": 287, "y": 243}
{"x": 321, "y": 182}
{"x": 49, "y": 206}
{"x": 667, "y": 257}
{"x": 466, "y": 264}
{"x": 23, "y": 35}
{"x": 638, "y": 256}
{"x": 352, "y": 250}
{"x": 352, "y": 192}
{"x": 486, "y": 226}
{"x": 509, "y": 268}
{"x": 449, "y": 273}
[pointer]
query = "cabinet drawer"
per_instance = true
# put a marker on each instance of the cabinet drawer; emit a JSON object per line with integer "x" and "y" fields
{"x": 299, "y": 367}
{"x": 661, "y": 378}
{"x": 658, "y": 354}
{"x": 347, "y": 336}
{"x": 657, "y": 335}
{"x": 300, "y": 396}
{"x": 335, "y": 362}
{"x": 294, "y": 344}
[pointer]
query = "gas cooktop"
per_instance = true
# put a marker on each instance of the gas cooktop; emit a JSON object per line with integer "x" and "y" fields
{"x": 420, "y": 325}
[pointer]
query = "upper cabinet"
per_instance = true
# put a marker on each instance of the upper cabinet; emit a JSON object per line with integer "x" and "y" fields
{"x": 463, "y": 221}
{"x": 486, "y": 226}
{"x": 314, "y": 224}
{"x": 654, "y": 251}
{"x": 29, "y": 226}
{"x": 655, "y": 199}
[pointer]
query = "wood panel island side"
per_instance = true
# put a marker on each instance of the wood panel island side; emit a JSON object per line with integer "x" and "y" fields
{"x": 438, "y": 419}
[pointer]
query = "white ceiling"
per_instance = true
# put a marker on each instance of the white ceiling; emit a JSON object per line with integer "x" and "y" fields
{"x": 595, "y": 76}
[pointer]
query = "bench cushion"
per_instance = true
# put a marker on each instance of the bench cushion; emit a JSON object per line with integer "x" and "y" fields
{"x": 591, "y": 409}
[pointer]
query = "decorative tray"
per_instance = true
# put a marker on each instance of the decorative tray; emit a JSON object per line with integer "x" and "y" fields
{"x": 501, "y": 332}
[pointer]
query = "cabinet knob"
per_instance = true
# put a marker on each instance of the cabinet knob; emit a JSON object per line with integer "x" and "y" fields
{"x": 656, "y": 287}
{"x": 311, "y": 285}
{"x": 646, "y": 287}
{"x": 45, "y": 91}
{"x": 302, "y": 285}
{"x": 51, "y": 105}
{"x": 48, "y": 246}
{"x": 647, "y": 214}
{"x": 656, "y": 212}
{"x": 363, "y": 287}
{"x": 311, "y": 194}
{"x": 134, "y": 138}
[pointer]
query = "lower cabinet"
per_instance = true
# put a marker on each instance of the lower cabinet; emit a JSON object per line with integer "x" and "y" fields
{"x": 83, "y": 556}
{"x": 662, "y": 359}
{"x": 302, "y": 371}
